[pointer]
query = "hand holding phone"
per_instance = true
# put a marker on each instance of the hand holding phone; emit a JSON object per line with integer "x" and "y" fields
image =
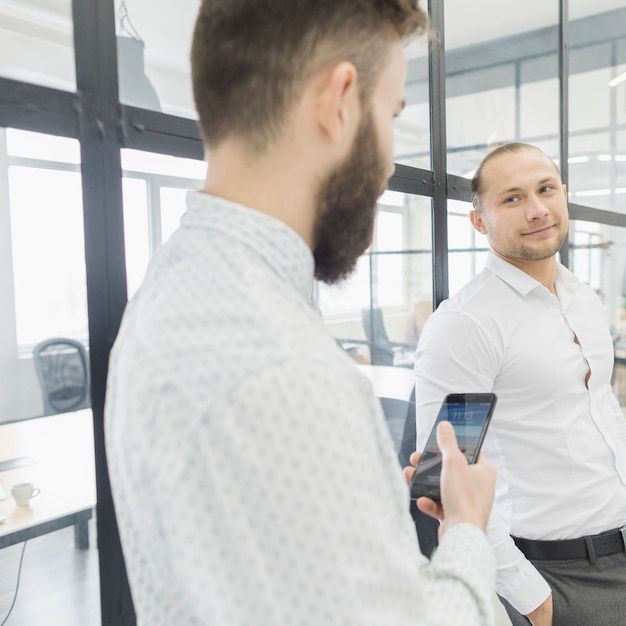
{"x": 467, "y": 491}
{"x": 469, "y": 414}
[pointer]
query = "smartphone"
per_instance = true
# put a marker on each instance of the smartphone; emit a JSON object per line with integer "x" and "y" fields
{"x": 469, "y": 414}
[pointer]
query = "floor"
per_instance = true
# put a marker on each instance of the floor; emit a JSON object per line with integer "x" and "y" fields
{"x": 59, "y": 585}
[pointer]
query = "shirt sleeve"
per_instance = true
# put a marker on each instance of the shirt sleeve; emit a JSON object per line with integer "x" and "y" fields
{"x": 300, "y": 514}
{"x": 517, "y": 580}
{"x": 455, "y": 355}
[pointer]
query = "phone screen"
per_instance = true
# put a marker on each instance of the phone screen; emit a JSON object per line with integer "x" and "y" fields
{"x": 469, "y": 414}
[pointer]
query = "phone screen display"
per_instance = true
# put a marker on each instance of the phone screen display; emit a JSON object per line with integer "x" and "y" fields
{"x": 469, "y": 414}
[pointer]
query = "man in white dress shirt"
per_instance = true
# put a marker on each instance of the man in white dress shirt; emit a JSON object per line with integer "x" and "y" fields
{"x": 528, "y": 330}
{"x": 253, "y": 475}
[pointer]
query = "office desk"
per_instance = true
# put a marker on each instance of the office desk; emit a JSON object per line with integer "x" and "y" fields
{"x": 390, "y": 382}
{"x": 61, "y": 447}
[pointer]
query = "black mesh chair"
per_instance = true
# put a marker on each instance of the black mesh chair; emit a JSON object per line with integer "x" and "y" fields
{"x": 62, "y": 368}
{"x": 383, "y": 351}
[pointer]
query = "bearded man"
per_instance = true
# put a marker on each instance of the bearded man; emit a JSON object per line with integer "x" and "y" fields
{"x": 253, "y": 476}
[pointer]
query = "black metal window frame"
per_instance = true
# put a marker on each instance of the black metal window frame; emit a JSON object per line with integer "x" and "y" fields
{"x": 103, "y": 126}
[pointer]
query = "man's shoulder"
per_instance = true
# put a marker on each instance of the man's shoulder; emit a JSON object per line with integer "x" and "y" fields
{"x": 478, "y": 296}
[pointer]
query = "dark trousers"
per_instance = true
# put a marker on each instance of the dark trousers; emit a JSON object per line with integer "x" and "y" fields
{"x": 583, "y": 593}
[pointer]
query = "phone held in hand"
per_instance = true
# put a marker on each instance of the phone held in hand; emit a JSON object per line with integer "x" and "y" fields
{"x": 469, "y": 414}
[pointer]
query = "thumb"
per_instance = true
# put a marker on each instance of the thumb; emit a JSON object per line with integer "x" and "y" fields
{"x": 446, "y": 439}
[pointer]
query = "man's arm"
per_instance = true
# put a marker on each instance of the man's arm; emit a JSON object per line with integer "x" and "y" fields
{"x": 454, "y": 354}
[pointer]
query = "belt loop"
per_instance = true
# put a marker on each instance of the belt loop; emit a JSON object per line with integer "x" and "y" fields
{"x": 591, "y": 553}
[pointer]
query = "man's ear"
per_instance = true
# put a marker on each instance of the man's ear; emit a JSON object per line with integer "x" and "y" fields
{"x": 565, "y": 191}
{"x": 338, "y": 102}
{"x": 477, "y": 221}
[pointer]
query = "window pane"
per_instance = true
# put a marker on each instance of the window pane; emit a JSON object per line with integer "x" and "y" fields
{"x": 136, "y": 232}
{"x": 153, "y": 55}
{"x": 412, "y": 127}
{"x": 466, "y": 246}
{"x": 155, "y": 187}
{"x": 45, "y": 419}
{"x": 36, "y": 42}
{"x": 378, "y": 313}
{"x": 597, "y": 104}
{"x": 502, "y": 83}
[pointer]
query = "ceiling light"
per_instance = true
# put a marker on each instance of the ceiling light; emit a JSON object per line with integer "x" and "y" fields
{"x": 604, "y": 157}
{"x": 578, "y": 159}
{"x": 617, "y": 80}
{"x": 593, "y": 192}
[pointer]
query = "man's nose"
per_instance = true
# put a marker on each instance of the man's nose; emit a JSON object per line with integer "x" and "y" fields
{"x": 536, "y": 208}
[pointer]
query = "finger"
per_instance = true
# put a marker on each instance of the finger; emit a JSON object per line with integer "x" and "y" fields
{"x": 408, "y": 473}
{"x": 430, "y": 507}
{"x": 446, "y": 439}
{"x": 415, "y": 457}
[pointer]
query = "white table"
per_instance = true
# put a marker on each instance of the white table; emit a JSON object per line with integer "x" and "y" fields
{"x": 62, "y": 448}
{"x": 389, "y": 382}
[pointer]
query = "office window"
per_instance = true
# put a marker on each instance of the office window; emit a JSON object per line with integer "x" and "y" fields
{"x": 597, "y": 104}
{"x": 392, "y": 284}
{"x": 412, "y": 127}
{"x": 45, "y": 226}
{"x": 501, "y": 84}
{"x": 467, "y": 248}
{"x": 46, "y": 422}
{"x": 154, "y": 188}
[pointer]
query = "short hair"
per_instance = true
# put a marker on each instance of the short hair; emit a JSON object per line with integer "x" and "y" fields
{"x": 507, "y": 148}
{"x": 250, "y": 59}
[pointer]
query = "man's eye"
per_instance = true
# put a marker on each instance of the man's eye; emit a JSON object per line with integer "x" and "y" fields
{"x": 511, "y": 199}
{"x": 546, "y": 188}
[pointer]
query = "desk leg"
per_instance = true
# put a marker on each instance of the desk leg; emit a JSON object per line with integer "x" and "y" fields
{"x": 81, "y": 534}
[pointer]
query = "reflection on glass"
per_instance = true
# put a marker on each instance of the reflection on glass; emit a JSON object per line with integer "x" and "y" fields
{"x": 412, "y": 127}
{"x": 467, "y": 248}
{"x": 378, "y": 313}
{"x": 36, "y": 43}
{"x": 501, "y": 83}
{"x": 154, "y": 187}
{"x": 597, "y": 105}
{"x": 153, "y": 55}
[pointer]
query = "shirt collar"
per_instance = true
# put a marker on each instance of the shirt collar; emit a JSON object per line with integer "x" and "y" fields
{"x": 280, "y": 246}
{"x": 523, "y": 283}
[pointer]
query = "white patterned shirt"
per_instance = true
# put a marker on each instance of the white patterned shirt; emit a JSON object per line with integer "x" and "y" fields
{"x": 253, "y": 475}
{"x": 558, "y": 445}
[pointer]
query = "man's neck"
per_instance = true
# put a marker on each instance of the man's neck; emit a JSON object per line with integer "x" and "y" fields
{"x": 543, "y": 271}
{"x": 260, "y": 183}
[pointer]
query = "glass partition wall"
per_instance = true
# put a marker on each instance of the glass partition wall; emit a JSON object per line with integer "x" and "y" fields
{"x": 99, "y": 144}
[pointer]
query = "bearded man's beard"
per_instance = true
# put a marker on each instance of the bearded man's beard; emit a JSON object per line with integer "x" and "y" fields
{"x": 346, "y": 207}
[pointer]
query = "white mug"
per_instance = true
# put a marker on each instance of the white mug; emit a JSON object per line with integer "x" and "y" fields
{"x": 23, "y": 492}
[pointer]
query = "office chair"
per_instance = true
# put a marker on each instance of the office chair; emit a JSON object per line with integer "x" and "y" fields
{"x": 425, "y": 526}
{"x": 62, "y": 368}
{"x": 383, "y": 351}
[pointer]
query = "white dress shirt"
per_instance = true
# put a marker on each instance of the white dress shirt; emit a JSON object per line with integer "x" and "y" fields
{"x": 558, "y": 446}
{"x": 253, "y": 474}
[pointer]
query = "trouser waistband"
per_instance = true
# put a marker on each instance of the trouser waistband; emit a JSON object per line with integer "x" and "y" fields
{"x": 588, "y": 547}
